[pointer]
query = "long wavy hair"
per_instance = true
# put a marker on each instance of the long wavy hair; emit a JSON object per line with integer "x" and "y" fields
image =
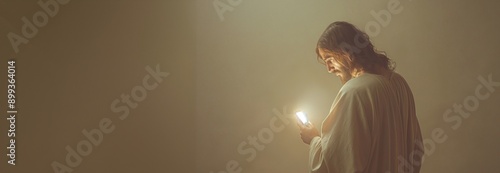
{"x": 352, "y": 48}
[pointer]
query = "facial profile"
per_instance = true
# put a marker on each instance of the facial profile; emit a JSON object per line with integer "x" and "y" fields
{"x": 333, "y": 66}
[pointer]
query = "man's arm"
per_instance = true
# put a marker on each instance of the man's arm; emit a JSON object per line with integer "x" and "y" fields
{"x": 316, "y": 161}
{"x": 345, "y": 142}
{"x": 310, "y": 135}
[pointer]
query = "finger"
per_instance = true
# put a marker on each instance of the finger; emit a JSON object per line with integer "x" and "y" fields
{"x": 298, "y": 122}
{"x": 309, "y": 125}
{"x": 301, "y": 126}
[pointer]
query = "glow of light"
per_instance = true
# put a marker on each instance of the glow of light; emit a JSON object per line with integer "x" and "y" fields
{"x": 302, "y": 117}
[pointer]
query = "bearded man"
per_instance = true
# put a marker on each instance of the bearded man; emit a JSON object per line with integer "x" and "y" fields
{"x": 372, "y": 125}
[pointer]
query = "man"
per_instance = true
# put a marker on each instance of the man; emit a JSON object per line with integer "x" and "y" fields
{"x": 372, "y": 125}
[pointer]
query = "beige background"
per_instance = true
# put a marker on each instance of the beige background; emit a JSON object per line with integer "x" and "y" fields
{"x": 227, "y": 77}
{"x": 89, "y": 54}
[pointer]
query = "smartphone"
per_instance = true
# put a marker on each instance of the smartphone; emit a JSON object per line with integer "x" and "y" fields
{"x": 302, "y": 117}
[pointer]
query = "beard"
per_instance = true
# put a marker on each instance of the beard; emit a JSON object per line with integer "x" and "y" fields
{"x": 344, "y": 75}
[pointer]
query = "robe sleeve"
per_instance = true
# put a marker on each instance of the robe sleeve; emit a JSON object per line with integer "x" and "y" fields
{"x": 346, "y": 138}
{"x": 316, "y": 162}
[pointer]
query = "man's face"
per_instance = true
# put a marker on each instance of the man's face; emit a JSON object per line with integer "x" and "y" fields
{"x": 334, "y": 67}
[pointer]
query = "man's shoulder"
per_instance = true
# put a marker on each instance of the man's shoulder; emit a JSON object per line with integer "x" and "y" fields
{"x": 364, "y": 82}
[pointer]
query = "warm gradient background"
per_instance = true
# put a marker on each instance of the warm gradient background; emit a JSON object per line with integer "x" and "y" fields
{"x": 228, "y": 77}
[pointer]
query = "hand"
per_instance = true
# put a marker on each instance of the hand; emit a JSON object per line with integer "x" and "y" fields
{"x": 308, "y": 132}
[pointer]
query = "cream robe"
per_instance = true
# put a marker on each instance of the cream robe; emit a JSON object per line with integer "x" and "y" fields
{"x": 371, "y": 128}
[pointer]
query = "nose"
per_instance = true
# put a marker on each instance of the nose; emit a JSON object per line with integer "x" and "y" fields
{"x": 330, "y": 68}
